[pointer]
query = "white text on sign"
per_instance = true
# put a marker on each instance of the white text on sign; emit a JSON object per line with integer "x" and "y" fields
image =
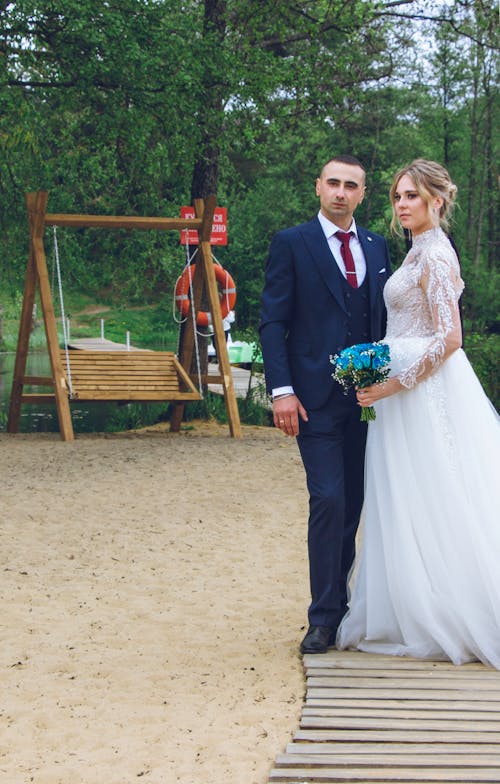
{"x": 218, "y": 234}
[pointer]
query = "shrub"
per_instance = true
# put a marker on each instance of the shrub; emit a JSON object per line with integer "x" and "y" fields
{"x": 483, "y": 351}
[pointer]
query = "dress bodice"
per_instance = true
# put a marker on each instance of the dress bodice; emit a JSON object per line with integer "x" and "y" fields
{"x": 422, "y": 300}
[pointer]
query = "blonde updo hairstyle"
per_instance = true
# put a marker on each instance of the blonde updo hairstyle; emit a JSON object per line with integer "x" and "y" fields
{"x": 431, "y": 181}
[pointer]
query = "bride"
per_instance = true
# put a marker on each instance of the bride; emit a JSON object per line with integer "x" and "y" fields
{"x": 428, "y": 579}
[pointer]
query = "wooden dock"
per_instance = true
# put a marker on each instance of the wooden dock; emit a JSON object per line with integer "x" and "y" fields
{"x": 369, "y": 718}
{"x": 241, "y": 381}
{"x": 100, "y": 344}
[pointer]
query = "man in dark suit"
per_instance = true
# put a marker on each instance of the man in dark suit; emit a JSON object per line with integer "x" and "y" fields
{"x": 323, "y": 292}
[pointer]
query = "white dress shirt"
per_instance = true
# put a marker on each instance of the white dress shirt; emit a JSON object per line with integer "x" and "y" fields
{"x": 334, "y": 244}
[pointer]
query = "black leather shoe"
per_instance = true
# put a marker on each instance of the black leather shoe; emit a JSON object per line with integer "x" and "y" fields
{"x": 318, "y": 639}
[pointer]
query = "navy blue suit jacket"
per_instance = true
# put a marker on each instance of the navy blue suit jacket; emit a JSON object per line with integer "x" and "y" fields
{"x": 304, "y": 317}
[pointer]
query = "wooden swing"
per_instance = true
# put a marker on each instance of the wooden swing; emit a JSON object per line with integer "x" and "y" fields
{"x": 116, "y": 375}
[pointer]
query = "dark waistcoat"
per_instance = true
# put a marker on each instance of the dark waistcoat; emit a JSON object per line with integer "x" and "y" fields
{"x": 357, "y": 302}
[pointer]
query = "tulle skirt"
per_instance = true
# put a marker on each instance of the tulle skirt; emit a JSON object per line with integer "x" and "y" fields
{"x": 427, "y": 583}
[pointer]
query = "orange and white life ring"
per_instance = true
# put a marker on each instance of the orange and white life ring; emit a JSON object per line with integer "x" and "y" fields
{"x": 227, "y": 297}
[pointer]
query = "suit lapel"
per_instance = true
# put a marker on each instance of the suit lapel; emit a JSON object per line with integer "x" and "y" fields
{"x": 373, "y": 265}
{"x": 376, "y": 278}
{"x": 314, "y": 238}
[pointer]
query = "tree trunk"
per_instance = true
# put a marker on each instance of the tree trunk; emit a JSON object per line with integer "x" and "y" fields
{"x": 205, "y": 178}
{"x": 206, "y": 167}
{"x": 491, "y": 189}
{"x": 476, "y": 255}
{"x": 474, "y": 134}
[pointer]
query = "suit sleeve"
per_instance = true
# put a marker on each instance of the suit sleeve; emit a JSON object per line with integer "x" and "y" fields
{"x": 277, "y": 311}
{"x": 442, "y": 284}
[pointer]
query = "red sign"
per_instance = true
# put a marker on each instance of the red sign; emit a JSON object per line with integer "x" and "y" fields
{"x": 219, "y": 227}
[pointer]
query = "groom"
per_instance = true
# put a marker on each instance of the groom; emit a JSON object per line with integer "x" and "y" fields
{"x": 323, "y": 292}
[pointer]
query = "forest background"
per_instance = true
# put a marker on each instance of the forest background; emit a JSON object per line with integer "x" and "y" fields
{"x": 135, "y": 107}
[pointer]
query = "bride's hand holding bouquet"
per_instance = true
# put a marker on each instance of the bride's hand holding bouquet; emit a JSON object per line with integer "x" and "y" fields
{"x": 365, "y": 367}
{"x": 367, "y": 396}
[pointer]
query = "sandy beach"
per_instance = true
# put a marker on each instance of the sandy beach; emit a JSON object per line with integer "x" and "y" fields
{"x": 154, "y": 590}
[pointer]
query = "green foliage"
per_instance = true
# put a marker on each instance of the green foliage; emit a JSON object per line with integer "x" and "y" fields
{"x": 480, "y": 299}
{"x": 213, "y": 407}
{"x": 133, "y": 416}
{"x": 483, "y": 352}
{"x": 251, "y": 410}
{"x": 113, "y": 108}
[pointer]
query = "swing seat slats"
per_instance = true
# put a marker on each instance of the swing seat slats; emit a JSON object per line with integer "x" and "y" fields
{"x": 127, "y": 375}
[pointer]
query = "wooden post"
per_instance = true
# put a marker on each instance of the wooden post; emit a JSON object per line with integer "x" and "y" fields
{"x": 24, "y": 329}
{"x": 220, "y": 339}
{"x": 205, "y": 277}
{"x": 37, "y": 272}
{"x": 205, "y": 212}
{"x": 49, "y": 319}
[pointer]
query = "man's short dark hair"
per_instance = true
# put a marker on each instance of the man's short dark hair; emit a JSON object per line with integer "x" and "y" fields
{"x": 349, "y": 159}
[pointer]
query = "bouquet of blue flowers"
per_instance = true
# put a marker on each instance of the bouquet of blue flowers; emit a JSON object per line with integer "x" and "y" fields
{"x": 361, "y": 366}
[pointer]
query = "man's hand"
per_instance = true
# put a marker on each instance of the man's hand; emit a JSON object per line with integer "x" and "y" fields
{"x": 286, "y": 411}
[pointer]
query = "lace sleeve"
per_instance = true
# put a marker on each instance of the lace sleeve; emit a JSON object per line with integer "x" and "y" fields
{"x": 441, "y": 283}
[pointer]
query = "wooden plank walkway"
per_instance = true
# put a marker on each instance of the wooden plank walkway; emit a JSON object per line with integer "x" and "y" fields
{"x": 241, "y": 380}
{"x": 101, "y": 344}
{"x": 372, "y": 718}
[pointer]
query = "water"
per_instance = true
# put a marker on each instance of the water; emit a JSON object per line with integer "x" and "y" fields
{"x": 42, "y": 418}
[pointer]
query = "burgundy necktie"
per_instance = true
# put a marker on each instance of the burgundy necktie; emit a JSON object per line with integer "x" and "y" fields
{"x": 346, "y": 254}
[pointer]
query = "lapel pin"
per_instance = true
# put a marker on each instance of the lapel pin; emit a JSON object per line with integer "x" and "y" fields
{"x": 369, "y": 239}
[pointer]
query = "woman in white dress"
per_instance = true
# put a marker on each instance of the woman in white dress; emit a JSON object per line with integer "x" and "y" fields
{"x": 427, "y": 583}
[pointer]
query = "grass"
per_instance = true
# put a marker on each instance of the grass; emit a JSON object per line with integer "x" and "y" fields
{"x": 150, "y": 326}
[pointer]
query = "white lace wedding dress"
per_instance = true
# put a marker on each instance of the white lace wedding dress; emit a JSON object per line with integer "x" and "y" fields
{"x": 427, "y": 583}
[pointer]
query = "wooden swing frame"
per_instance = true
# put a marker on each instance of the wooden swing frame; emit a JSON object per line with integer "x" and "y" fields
{"x": 179, "y": 386}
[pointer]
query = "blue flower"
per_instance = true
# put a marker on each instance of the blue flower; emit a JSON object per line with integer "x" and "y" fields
{"x": 360, "y": 366}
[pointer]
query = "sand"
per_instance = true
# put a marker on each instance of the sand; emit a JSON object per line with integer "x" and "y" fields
{"x": 154, "y": 590}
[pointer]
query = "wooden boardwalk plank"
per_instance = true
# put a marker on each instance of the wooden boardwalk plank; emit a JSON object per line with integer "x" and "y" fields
{"x": 477, "y": 750}
{"x": 369, "y": 718}
{"x": 415, "y": 760}
{"x": 365, "y": 775}
{"x": 392, "y": 736}
{"x": 355, "y": 659}
{"x": 389, "y": 723}
{"x": 402, "y": 713}
{"x": 361, "y": 682}
{"x": 100, "y": 344}
{"x": 409, "y": 705}
{"x": 410, "y": 694}
{"x": 242, "y": 379}
{"x": 375, "y": 672}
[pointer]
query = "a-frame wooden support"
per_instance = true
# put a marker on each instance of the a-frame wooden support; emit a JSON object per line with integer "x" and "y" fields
{"x": 37, "y": 276}
{"x": 204, "y": 279}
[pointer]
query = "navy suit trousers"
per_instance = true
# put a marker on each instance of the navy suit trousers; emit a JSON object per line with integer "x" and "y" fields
{"x": 332, "y": 447}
